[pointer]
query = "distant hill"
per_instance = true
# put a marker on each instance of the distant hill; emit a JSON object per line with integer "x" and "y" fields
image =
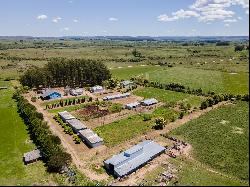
{"x": 135, "y": 38}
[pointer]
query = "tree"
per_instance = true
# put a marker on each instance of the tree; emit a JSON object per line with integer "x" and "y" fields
{"x": 159, "y": 123}
{"x": 58, "y": 161}
{"x": 239, "y": 48}
{"x": 135, "y": 53}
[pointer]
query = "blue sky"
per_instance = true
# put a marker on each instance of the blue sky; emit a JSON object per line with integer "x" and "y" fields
{"x": 124, "y": 17}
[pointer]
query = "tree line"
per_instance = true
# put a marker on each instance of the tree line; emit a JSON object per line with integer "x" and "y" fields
{"x": 62, "y": 72}
{"x": 50, "y": 145}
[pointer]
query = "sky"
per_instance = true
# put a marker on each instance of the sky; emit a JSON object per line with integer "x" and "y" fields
{"x": 124, "y": 17}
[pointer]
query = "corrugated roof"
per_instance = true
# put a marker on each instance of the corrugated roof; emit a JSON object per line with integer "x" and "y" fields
{"x": 66, "y": 115}
{"x": 127, "y": 161}
{"x": 149, "y": 101}
{"x": 126, "y": 82}
{"x": 47, "y": 93}
{"x": 117, "y": 96}
{"x": 132, "y": 105}
{"x": 32, "y": 155}
{"x": 76, "y": 124}
{"x": 90, "y": 136}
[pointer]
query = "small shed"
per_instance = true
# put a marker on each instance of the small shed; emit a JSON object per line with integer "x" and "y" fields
{"x": 126, "y": 84}
{"x": 148, "y": 102}
{"x": 32, "y": 156}
{"x": 90, "y": 138}
{"x": 65, "y": 116}
{"x": 50, "y": 94}
{"x": 76, "y": 92}
{"x": 130, "y": 106}
{"x": 96, "y": 89}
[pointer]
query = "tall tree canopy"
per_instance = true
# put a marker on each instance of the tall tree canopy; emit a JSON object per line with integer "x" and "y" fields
{"x": 62, "y": 72}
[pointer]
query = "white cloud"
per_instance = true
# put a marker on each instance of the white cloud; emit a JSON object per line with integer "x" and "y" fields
{"x": 41, "y": 17}
{"x": 247, "y": 11}
{"x": 185, "y": 14}
{"x": 165, "y": 18}
{"x": 239, "y": 18}
{"x": 75, "y": 20}
{"x": 113, "y": 19}
{"x": 226, "y": 25}
{"x": 230, "y": 20}
{"x": 177, "y": 15}
{"x": 55, "y": 20}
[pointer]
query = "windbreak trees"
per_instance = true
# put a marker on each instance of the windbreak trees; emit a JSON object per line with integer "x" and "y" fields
{"x": 62, "y": 72}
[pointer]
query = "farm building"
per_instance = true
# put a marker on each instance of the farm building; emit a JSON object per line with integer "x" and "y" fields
{"x": 148, "y": 102}
{"x": 118, "y": 96}
{"x": 50, "y": 94}
{"x": 90, "y": 138}
{"x": 65, "y": 116}
{"x": 76, "y": 92}
{"x": 96, "y": 89}
{"x": 132, "y": 159}
{"x": 76, "y": 125}
{"x": 32, "y": 156}
{"x": 126, "y": 84}
{"x": 132, "y": 105}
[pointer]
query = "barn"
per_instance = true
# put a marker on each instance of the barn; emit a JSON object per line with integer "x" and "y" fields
{"x": 76, "y": 125}
{"x": 50, "y": 94}
{"x": 134, "y": 158}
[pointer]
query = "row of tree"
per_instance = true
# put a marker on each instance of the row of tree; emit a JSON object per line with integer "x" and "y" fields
{"x": 62, "y": 72}
{"x": 50, "y": 145}
{"x": 68, "y": 102}
{"x": 223, "y": 97}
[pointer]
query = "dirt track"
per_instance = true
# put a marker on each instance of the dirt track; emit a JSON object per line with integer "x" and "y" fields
{"x": 82, "y": 155}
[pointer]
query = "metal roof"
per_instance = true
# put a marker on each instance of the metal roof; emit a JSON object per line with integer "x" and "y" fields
{"x": 76, "y": 124}
{"x": 32, "y": 155}
{"x": 66, "y": 115}
{"x": 149, "y": 101}
{"x": 127, "y": 161}
{"x": 132, "y": 105}
{"x": 97, "y": 87}
{"x": 117, "y": 96}
{"x": 47, "y": 93}
{"x": 126, "y": 82}
{"x": 90, "y": 136}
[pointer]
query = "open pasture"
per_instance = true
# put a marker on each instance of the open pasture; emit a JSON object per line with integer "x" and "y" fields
{"x": 221, "y": 139}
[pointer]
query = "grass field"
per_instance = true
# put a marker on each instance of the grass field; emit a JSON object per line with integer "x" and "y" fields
{"x": 221, "y": 139}
{"x": 131, "y": 126}
{"x": 192, "y": 173}
{"x": 14, "y": 143}
{"x": 167, "y": 96}
{"x": 208, "y": 80}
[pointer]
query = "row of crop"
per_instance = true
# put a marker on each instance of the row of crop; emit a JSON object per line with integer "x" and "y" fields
{"x": 68, "y": 102}
{"x": 223, "y": 97}
{"x": 50, "y": 145}
{"x": 67, "y": 129}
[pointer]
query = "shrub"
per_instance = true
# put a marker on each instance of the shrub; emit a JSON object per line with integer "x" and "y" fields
{"x": 33, "y": 99}
{"x": 147, "y": 117}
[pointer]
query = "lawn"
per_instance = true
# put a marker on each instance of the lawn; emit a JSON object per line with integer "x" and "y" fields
{"x": 167, "y": 96}
{"x": 125, "y": 129}
{"x": 221, "y": 139}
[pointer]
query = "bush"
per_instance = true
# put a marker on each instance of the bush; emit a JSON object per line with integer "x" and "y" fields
{"x": 115, "y": 108}
{"x": 33, "y": 99}
{"x": 147, "y": 117}
{"x": 181, "y": 115}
